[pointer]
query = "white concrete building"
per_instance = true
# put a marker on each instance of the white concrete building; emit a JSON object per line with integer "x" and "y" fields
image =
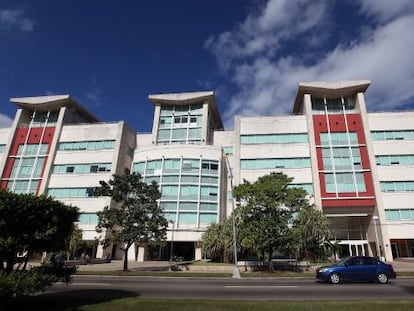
{"x": 358, "y": 167}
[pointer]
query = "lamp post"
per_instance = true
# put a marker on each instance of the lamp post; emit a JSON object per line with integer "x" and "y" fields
{"x": 172, "y": 244}
{"x": 375, "y": 218}
{"x": 236, "y": 270}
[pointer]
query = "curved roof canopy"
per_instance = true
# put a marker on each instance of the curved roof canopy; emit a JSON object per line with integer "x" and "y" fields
{"x": 52, "y": 102}
{"x": 328, "y": 89}
{"x": 189, "y": 98}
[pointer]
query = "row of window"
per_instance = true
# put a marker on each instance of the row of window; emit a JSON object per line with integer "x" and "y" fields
{"x": 274, "y": 138}
{"x": 345, "y": 182}
{"x": 339, "y": 139}
{"x": 2, "y": 148}
{"x": 41, "y": 118}
{"x": 23, "y": 186}
{"x": 189, "y": 192}
{"x": 392, "y": 135}
{"x": 183, "y": 218}
{"x": 27, "y": 167}
{"x": 188, "y": 206}
{"x": 188, "y": 218}
{"x": 397, "y": 186}
{"x": 333, "y": 106}
{"x": 88, "y": 145}
{"x": 256, "y": 164}
{"x": 185, "y": 179}
{"x": 82, "y": 168}
{"x": 169, "y": 110}
{"x": 178, "y": 134}
{"x": 342, "y": 158}
{"x": 399, "y": 214}
{"x": 32, "y": 149}
{"x": 181, "y": 121}
{"x": 395, "y": 159}
{"x": 71, "y": 192}
{"x": 174, "y": 166}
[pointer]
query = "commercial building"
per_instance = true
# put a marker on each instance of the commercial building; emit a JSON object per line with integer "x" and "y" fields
{"x": 357, "y": 167}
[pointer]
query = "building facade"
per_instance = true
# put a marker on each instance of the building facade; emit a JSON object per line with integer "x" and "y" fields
{"x": 357, "y": 167}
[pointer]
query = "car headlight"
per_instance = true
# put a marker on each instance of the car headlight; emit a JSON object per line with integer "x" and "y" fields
{"x": 323, "y": 270}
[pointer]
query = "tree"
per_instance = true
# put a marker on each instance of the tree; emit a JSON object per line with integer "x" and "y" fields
{"x": 312, "y": 228}
{"x": 266, "y": 212}
{"x": 217, "y": 241}
{"x": 75, "y": 241}
{"x": 30, "y": 224}
{"x": 137, "y": 216}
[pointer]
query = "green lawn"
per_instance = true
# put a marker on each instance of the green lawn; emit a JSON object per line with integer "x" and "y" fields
{"x": 204, "y": 305}
{"x": 133, "y": 303}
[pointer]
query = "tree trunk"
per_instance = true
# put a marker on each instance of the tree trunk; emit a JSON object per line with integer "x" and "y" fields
{"x": 270, "y": 262}
{"x": 126, "y": 258}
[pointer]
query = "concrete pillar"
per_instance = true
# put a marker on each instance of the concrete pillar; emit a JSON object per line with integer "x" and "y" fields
{"x": 131, "y": 253}
{"x": 198, "y": 253}
{"x": 141, "y": 253}
{"x": 99, "y": 251}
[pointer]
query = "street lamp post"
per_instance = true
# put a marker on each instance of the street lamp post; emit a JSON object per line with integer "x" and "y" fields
{"x": 236, "y": 270}
{"x": 172, "y": 244}
{"x": 375, "y": 219}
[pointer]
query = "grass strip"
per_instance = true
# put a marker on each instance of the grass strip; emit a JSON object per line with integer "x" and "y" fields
{"x": 126, "y": 304}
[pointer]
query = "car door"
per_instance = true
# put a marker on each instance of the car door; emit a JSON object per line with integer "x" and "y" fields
{"x": 370, "y": 266}
{"x": 352, "y": 270}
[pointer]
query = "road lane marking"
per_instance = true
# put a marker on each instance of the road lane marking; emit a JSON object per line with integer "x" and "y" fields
{"x": 261, "y": 286}
{"x": 89, "y": 284}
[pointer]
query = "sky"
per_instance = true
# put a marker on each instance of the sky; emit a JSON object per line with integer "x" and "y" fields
{"x": 110, "y": 55}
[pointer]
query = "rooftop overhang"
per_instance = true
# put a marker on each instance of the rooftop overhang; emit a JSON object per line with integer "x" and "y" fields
{"x": 189, "y": 98}
{"x": 328, "y": 89}
{"x": 52, "y": 102}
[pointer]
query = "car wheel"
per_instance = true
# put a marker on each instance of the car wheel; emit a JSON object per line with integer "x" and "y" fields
{"x": 334, "y": 278}
{"x": 382, "y": 278}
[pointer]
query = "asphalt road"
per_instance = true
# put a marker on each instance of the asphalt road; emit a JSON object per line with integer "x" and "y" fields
{"x": 234, "y": 289}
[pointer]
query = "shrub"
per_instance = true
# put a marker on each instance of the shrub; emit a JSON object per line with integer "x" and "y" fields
{"x": 20, "y": 283}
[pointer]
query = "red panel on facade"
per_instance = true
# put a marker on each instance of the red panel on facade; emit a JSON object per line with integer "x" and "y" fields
{"x": 20, "y": 138}
{"x": 337, "y": 124}
{"x": 354, "y": 202}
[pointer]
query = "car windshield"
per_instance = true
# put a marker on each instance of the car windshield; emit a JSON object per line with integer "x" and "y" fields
{"x": 343, "y": 261}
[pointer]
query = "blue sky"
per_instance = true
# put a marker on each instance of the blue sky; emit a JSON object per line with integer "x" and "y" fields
{"x": 110, "y": 55}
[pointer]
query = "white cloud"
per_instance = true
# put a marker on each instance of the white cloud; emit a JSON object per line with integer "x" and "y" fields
{"x": 264, "y": 29}
{"x": 385, "y": 10}
{"x": 5, "y": 121}
{"x": 266, "y": 84}
{"x": 15, "y": 18}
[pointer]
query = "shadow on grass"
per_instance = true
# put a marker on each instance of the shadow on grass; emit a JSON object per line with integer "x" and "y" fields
{"x": 70, "y": 300}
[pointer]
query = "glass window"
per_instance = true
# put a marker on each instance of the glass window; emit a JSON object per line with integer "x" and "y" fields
{"x": 207, "y": 219}
{"x": 274, "y": 163}
{"x": 274, "y": 138}
{"x": 189, "y": 192}
{"x": 88, "y": 218}
{"x": 172, "y": 166}
{"x": 187, "y": 218}
{"x": 208, "y": 206}
{"x": 169, "y": 192}
{"x": 188, "y": 206}
{"x": 189, "y": 179}
{"x": 139, "y": 167}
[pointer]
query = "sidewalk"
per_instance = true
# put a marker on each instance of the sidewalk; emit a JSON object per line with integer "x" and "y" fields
{"x": 401, "y": 264}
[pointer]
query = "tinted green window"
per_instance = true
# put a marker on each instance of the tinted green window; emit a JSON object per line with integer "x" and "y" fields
{"x": 393, "y": 135}
{"x": 274, "y": 163}
{"x": 274, "y": 138}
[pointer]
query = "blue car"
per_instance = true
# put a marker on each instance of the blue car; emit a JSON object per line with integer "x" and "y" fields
{"x": 357, "y": 268}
